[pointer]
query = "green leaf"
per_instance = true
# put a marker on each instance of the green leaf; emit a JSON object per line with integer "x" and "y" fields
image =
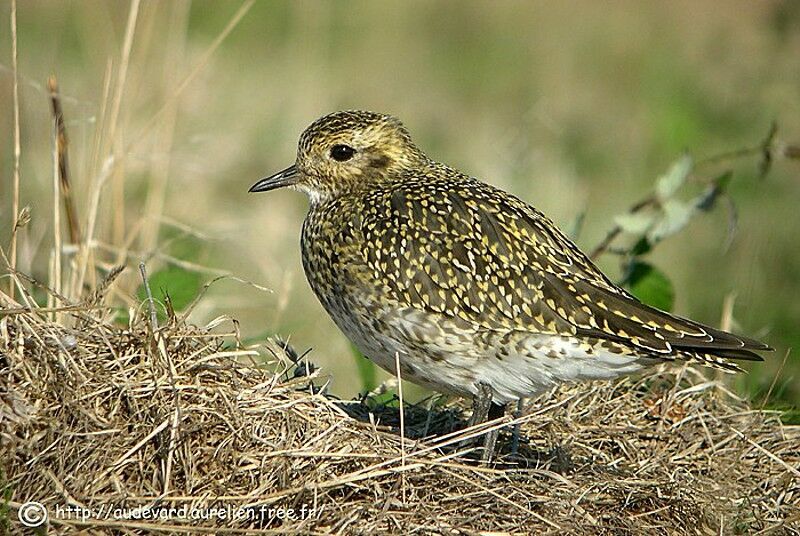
{"x": 641, "y": 247}
{"x": 635, "y": 223}
{"x": 650, "y": 285}
{"x": 675, "y": 215}
{"x": 181, "y": 285}
{"x": 670, "y": 182}
{"x": 381, "y": 400}
{"x": 367, "y": 371}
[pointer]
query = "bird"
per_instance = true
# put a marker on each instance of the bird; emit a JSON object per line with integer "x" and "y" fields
{"x": 472, "y": 291}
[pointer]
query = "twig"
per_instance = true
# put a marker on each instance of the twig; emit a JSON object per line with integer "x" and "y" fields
{"x": 766, "y": 151}
{"x": 775, "y": 378}
{"x": 153, "y": 433}
{"x": 402, "y": 427}
{"x": 791, "y": 152}
{"x": 61, "y": 309}
{"x": 150, "y": 302}
{"x": 764, "y": 148}
{"x": 17, "y": 148}
{"x": 173, "y": 437}
{"x": 616, "y": 230}
{"x": 62, "y": 144}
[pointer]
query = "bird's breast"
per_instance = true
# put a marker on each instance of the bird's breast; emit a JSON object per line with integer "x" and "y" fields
{"x": 332, "y": 255}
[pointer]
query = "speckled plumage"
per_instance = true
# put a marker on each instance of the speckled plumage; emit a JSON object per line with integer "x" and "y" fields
{"x": 465, "y": 282}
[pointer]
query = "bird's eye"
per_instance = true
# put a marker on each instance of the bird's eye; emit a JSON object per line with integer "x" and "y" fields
{"x": 340, "y": 153}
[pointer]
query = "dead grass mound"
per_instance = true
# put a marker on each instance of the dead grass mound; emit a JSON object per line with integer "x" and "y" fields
{"x": 185, "y": 431}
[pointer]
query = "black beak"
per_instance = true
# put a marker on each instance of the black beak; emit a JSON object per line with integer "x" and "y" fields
{"x": 287, "y": 177}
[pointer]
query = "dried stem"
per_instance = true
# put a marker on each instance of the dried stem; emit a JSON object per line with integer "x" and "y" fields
{"x": 55, "y": 268}
{"x": 160, "y": 167}
{"x": 151, "y": 306}
{"x": 402, "y": 426}
{"x": 169, "y": 101}
{"x": 17, "y": 150}
{"x": 115, "y": 147}
{"x": 62, "y": 143}
{"x": 99, "y": 175}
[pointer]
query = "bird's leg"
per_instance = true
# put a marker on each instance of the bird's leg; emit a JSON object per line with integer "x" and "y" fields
{"x": 484, "y": 409}
{"x": 496, "y": 411}
{"x": 481, "y": 405}
{"x": 516, "y": 430}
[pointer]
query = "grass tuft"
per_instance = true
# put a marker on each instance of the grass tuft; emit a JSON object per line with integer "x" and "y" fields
{"x": 188, "y": 417}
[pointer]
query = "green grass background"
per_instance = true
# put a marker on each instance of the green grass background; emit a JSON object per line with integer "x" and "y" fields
{"x": 574, "y": 106}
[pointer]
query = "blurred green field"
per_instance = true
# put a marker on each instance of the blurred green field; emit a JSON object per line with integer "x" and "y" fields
{"x": 575, "y": 107}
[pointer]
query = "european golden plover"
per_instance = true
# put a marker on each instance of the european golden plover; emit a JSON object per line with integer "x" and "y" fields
{"x": 473, "y": 291}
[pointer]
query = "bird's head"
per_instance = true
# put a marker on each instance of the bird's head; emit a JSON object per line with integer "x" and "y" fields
{"x": 346, "y": 150}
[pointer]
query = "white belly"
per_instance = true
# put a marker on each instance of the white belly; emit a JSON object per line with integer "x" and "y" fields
{"x": 531, "y": 364}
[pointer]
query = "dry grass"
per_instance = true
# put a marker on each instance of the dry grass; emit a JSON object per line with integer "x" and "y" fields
{"x": 97, "y": 421}
{"x": 95, "y": 416}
